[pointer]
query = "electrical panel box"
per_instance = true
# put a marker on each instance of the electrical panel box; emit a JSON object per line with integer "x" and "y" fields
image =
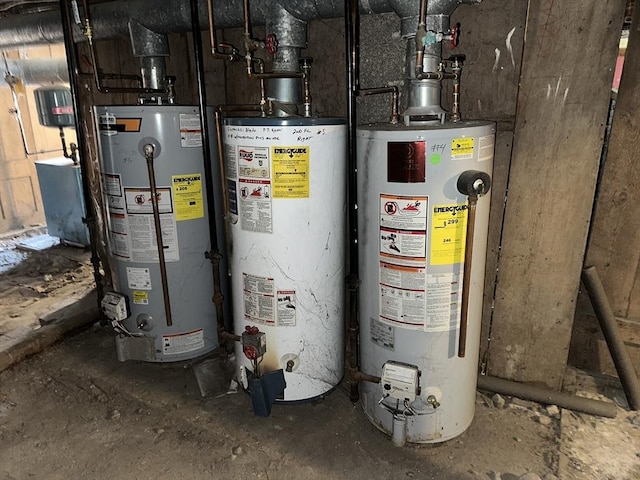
{"x": 115, "y": 306}
{"x": 400, "y": 380}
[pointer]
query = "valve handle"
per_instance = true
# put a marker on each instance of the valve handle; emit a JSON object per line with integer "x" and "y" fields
{"x": 251, "y": 330}
{"x": 271, "y": 43}
{"x": 455, "y": 35}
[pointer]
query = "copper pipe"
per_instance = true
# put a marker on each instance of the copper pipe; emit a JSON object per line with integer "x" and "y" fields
{"x": 361, "y": 92}
{"x": 223, "y": 335}
{"x": 364, "y": 377}
{"x": 149, "y": 157}
{"x": 466, "y": 277}
{"x": 215, "y": 51}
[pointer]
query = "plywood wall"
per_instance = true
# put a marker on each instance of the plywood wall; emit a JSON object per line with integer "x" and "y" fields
{"x": 20, "y": 202}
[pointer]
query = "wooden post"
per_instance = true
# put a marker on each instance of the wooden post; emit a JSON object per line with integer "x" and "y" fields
{"x": 569, "y": 55}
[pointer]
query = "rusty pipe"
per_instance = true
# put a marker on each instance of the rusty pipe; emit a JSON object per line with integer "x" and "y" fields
{"x": 608, "y": 324}
{"x": 149, "y": 151}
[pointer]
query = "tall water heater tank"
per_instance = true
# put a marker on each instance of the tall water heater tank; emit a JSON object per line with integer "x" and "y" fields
{"x": 176, "y": 135}
{"x": 412, "y": 226}
{"x": 287, "y": 206}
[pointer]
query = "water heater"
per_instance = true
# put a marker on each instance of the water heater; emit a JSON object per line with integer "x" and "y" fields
{"x": 287, "y": 204}
{"x": 413, "y": 228}
{"x": 160, "y": 314}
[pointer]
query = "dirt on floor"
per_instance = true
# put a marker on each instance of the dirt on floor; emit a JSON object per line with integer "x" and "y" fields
{"x": 75, "y": 412}
{"x": 34, "y": 283}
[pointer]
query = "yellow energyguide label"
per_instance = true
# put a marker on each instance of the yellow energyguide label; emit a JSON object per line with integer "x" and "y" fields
{"x": 448, "y": 234}
{"x": 290, "y": 171}
{"x": 188, "y": 196}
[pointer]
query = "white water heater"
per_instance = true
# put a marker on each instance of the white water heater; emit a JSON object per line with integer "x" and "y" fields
{"x": 287, "y": 205}
{"x": 412, "y": 235}
{"x": 160, "y": 316}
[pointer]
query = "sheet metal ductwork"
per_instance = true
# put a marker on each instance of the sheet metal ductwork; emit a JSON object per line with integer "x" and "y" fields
{"x": 39, "y": 71}
{"x": 111, "y": 19}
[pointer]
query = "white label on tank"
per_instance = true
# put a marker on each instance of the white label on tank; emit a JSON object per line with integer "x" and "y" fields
{"x": 183, "y": 342}
{"x": 143, "y": 238}
{"x": 402, "y": 307}
{"x": 443, "y": 302}
{"x": 230, "y": 165}
{"x": 286, "y": 314}
{"x": 402, "y": 273}
{"x": 382, "y": 334}
{"x": 112, "y": 184}
{"x": 106, "y": 122}
{"x": 253, "y": 162}
{"x": 259, "y": 296}
{"x": 485, "y": 148}
{"x": 255, "y": 205}
{"x": 190, "y": 130}
{"x": 141, "y": 226}
{"x": 403, "y": 212}
{"x": 138, "y": 278}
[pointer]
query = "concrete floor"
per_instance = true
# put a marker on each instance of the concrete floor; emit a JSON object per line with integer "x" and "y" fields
{"x": 74, "y": 411}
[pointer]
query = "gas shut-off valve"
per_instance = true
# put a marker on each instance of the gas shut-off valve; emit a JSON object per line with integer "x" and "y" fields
{"x": 254, "y": 343}
{"x": 400, "y": 380}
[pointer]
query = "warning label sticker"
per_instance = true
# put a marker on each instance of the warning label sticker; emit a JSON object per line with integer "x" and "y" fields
{"x": 290, "y": 171}
{"x": 443, "y": 302}
{"x": 188, "y": 196}
{"x": 403, "y": 240}
{"x": 448, "y": 234}
{"x": 403, "y": 213}
{"x": 183, "y": 342}
{"x": 259, "y": 296}
{"x": 485, "y": 148}
{"x": 255, "y": 205}
{"x": 382, "y": 334}
{"x": 286, "y": 301}
{"x": 402, "y": 307}
{"x": 140, "y": 225}
{"x": 462, "y": 148}
{"x": 190, "y": 130}
{"x": 140, "y": 298}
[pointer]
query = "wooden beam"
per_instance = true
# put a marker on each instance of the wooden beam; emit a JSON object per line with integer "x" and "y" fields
{"x": 569, "y": 54}
{"x": 614, "y": 246}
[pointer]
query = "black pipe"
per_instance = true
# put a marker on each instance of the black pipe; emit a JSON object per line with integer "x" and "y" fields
{"x": 548, "y": 397}
{"x": 609, "y": 326}
{"x": 214, "y": 254}
{"x": 90, "y": 219}
{"x": 352, "y": 43}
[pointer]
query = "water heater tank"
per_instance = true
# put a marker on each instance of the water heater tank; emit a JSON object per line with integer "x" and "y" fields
{"x": 175, "y": 132}
{"x": 413, "y": 227}
{"x": 287, "y": 204}
{"x": 55, "y": 106}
